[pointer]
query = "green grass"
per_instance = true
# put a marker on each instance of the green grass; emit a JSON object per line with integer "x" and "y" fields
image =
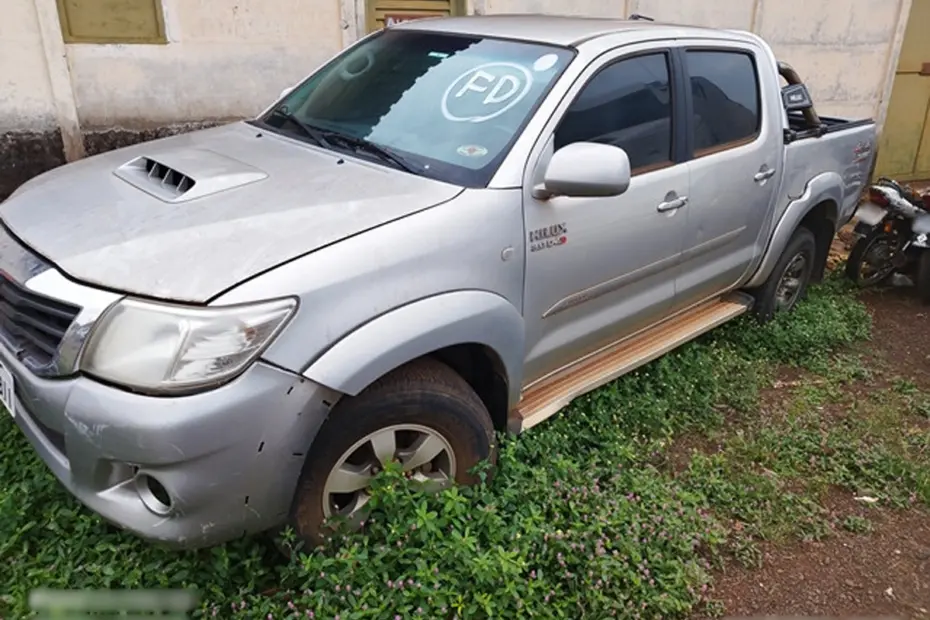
{"x": 586, "y": 517}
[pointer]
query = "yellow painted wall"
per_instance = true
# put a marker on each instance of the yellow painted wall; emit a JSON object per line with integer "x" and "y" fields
{"x": 904, "y": 148}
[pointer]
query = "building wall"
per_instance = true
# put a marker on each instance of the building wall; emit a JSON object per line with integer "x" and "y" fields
{"x": 229, "y": 58}
{"x": 224, "y": 59}
{"x": 25, "y": 94}
{"x": 842, "y": 48}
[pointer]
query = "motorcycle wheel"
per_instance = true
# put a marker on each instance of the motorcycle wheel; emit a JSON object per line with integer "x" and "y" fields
{"x": 923, "y": 277}
{"x": 862, "y": 255}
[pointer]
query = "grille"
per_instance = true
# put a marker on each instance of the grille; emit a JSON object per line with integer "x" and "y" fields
{"x": 32, "y": 323}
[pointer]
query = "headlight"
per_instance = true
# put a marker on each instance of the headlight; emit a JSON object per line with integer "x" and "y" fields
{"x": 158, "y": 347}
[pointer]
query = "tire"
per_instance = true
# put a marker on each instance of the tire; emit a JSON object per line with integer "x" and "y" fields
{"x": 923, "y": 276}
{"x": 858, "y": 254}
{"x": 426, "y": 396}
{"x": 802, "y": 244}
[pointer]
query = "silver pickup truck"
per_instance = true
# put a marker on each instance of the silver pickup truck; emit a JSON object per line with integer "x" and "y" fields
{"x": 454, "y": 226}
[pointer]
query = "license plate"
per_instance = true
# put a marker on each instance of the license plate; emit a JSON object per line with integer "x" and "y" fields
{"x": 870, "y": 213}
{"x": 7, "y": 392}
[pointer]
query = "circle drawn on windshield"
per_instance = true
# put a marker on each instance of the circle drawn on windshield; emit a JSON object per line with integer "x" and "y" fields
{"x": 545, "y": 62}
{"x": 495, "y": 87}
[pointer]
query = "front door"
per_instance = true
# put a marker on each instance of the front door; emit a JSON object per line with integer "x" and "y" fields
{"x": 904, "y": 146}
{"x": 736, "y": 167}
{"x": 598, "y": 269}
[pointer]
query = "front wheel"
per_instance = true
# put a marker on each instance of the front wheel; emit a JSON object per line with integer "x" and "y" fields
{"x": 871, "y": 260}
{"x": 422, "y": 415}
{"x": 787, "y": 284}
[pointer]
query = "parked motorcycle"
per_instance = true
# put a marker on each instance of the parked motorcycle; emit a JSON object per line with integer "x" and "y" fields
{"x": 893, "y": 231}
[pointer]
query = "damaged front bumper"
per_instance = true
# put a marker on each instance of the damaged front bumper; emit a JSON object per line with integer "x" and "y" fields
{"x": 188, "y": 471}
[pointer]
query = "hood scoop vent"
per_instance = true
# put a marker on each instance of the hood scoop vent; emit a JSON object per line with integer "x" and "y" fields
{"x": 170, "y": 178}
{"x": 185, "y": 175}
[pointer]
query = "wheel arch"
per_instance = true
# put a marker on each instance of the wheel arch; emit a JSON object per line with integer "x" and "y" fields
{"x": 480, "y": 335}
{"x": 817, "y": 210}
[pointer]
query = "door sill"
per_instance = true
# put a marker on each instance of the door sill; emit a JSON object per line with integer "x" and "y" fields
{"x": 545, "y": 398}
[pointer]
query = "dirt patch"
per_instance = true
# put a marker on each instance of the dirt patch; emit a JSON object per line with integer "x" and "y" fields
{"x": 886, "y": 572}
{"x": 25, "y": 154}
{"x": 100, "y": 141}
{"x": 901, "y": 332}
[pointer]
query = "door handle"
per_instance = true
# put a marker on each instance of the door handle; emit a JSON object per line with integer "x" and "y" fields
{"x": 764, "y": 175}
{"x": 671, "y": 205}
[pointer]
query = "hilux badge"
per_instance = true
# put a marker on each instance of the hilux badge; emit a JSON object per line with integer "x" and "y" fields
{"x": 548, "y": 237}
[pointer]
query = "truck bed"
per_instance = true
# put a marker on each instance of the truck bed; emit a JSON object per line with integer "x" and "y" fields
{"x": 831, "y": 124}
{"x": 838, "y": 145}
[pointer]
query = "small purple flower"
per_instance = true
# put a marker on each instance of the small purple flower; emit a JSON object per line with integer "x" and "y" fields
{"x": 310, "y": 614}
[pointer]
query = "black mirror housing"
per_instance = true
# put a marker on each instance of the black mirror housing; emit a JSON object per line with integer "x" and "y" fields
{"x": 796, "y": 97}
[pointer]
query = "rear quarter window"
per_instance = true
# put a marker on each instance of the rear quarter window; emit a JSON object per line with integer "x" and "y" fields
{"x": 726, "y": 99}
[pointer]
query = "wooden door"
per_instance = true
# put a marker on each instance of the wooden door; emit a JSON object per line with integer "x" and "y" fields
{"x": 904, "y": 147}
{"x": 381, "y": 13}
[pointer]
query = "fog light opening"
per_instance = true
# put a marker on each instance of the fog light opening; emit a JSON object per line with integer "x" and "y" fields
{"x": 153, "y": 494}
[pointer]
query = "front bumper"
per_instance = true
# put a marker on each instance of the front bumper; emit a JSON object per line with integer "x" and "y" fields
{"x": 228, "y": 459}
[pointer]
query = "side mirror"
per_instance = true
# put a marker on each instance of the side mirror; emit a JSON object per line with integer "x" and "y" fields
{"x": 796, "y": 98}
{"x": 585, "y": 169}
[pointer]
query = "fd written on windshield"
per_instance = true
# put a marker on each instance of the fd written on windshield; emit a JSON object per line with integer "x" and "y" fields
{"x": 451, "y": 104}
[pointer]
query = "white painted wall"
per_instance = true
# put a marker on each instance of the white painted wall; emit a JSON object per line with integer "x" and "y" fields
{"x": 843, "y": 49}
{"x": 225, "y": 59}
{"x": 229, "y": 58}
{"x": 25, "y": 91}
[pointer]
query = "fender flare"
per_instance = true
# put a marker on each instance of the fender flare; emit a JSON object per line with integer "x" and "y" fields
{"x": 825, "y": 187}
{"x": 420, "y": 328}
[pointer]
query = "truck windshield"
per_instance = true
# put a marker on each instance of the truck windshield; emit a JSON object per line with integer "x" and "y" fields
{"x": 440, "y": 105}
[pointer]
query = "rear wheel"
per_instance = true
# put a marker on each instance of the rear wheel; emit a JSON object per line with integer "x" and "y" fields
{"x": 423, "y": 415}
{"x": 788, "y": 282}
{"x": 870, "y": 261}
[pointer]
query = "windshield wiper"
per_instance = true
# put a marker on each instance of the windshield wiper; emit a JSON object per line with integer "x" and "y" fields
{"x": 362, "y": 144}
{"x": 312, "y": 132}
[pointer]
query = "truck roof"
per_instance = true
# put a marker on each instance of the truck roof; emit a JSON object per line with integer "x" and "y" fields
{"x": 567, "y": 31}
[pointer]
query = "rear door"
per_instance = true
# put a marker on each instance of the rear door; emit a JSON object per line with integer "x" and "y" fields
{"x": 736, "y": 165}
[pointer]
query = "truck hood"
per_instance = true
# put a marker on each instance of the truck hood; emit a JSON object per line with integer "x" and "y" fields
{"x": 187, "y": 217}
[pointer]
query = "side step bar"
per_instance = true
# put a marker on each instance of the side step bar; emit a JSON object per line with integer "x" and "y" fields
{"x": 549, "y": 396}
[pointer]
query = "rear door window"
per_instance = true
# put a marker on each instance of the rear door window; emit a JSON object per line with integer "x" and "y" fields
{"x": 725, "y": 99}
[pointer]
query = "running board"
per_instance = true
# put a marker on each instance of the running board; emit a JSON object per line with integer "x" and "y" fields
{"x": 550, "y": 395}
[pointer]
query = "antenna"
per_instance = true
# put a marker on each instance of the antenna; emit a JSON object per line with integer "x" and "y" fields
{"x": 637, "y": 17}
